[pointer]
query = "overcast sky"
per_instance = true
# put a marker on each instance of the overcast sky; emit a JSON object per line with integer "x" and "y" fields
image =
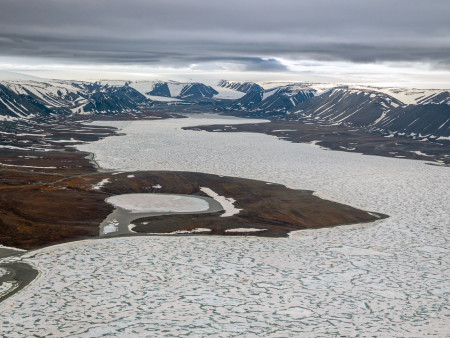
{"x": 343, "y": 40}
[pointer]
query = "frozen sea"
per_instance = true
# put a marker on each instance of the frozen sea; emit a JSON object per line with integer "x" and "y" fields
{"x": 388, "y": 278}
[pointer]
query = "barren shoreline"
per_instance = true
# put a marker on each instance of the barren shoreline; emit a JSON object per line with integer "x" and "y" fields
{"x": 342, "y": 138}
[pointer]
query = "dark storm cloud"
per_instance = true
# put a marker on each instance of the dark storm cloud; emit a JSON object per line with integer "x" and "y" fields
{"x": 250, "y": 32}
{"x": 265, "y": 65}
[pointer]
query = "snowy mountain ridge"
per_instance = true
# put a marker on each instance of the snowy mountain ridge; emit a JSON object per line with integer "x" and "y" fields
{"x": 26, "y": 98}
{"x": 418, "y": 113}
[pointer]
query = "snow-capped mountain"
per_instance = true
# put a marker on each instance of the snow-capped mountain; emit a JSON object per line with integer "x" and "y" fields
{"x": 417, "y": 113}
{"x": 244, "y": 87}
{"x": 273, "y": 101}
{"x": 347, "y": 105}
{"x": 27, "y": 98}
{"x": 378, "y": 111}
{"x": 171, "y": 90}
{"x": 416, "y": 96}
{"x": 423, "y": 121}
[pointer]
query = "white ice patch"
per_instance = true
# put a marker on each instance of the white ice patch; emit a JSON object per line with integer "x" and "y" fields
{"x": 162, "y": 98}
{"x": 280, "y": 130}
{"x": 193, "y": 231}
{"x": 418, "y": 152}
{"x": 245, "y": 230}
{"x": 12, "y": 147}
{"x": 226, "y": 93}
{"x": 26, "y": 166}
{"x": 442, "y": 138}
{"x": 100, "y": 184}
{"x": 7, "y": 287}
{"x": 227, "y": 203}
{"x": 111, "y": 227}
{"x": 136, "y": 203}
{"x": 3, "y": 272}
{"x": 71, "y": 140}
{"x": 11, "y": 248}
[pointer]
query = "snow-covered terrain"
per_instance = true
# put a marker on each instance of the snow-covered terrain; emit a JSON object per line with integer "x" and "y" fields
{"x": 388, "y": 278}
{"x": 405, "y": 95}
{"x": 412, "y": 95}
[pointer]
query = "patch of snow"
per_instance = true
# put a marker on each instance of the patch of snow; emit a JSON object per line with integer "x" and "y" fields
{"x": 3, "y": 272}
{"x": 26, "y": 166}
{"x": 279, "y": 130}
{"x": 12, "y": 147}
{"x": 227, "y": 203}
{"x": 7, "y": 287}
{"x": 227, "y": 93}
{"x": 418, "y": 152}
{"x": 245, "y": 230}
{"x": 162, "y": 98}
{"x": 111, "y": 227}
{"x": 175, "y": 88}
{"x": 100, "y": 184}
{"x": 193, "y": 231}
{"x": 71, "y": 140}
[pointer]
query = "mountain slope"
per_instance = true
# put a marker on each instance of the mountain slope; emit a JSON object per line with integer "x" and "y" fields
{"x": 427, "y": 121}
{"x": 28, "y": 98}
{"x": 244, "y": 87}
{"x": 272, "y": 102}
{"x": 13, "y": 105}
{"x": 347, "y": 105}
{"x": 114, "y": 100}
{"x": 197, "y": 91}
{"x": 173, "y": 89}
{"x": 377, "y": 111}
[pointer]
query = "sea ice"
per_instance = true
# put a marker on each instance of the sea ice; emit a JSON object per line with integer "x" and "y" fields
{"x": 386, "y": 278}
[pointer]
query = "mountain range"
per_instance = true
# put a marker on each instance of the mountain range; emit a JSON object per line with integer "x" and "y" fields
{"x": 422, "y": 114}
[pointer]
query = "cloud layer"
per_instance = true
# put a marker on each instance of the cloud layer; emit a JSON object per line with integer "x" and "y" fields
{"x": 252, "y": 33}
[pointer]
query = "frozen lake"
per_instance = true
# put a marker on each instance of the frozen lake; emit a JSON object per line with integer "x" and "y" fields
{"x": 129, "y": 207}
{"x": 386, "y": 278}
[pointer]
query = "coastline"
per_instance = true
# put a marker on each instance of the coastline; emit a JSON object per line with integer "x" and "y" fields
{"x": 344, "y": 263}
{"x": 67, "y": 185}
{"x": 343, "y": 138}
{"x": 55, "y": 213}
